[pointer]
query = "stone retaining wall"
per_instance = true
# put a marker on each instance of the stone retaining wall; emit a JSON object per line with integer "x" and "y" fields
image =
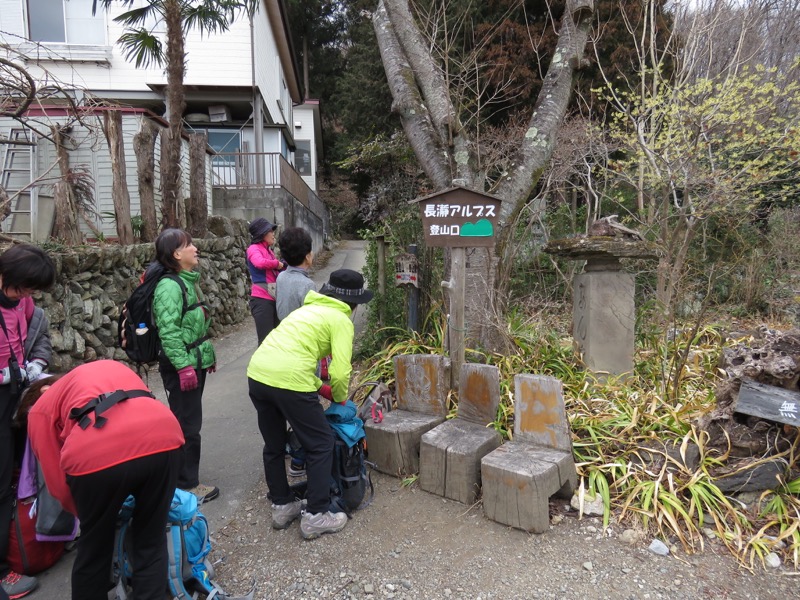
{"x": 92, "y": 283}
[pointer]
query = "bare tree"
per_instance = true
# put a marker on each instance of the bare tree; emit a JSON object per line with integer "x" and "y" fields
{"x": 707, "y": 144}
{"x": 73, "y": 187}
{"x": 144, "y": 143}
{"x": 448, "y": 151}
{"x": 112, "y": 121}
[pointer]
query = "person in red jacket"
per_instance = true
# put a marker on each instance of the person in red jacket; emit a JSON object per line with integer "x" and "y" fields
{"x": 24, "y": 353}
{"x": 101, "y": 436}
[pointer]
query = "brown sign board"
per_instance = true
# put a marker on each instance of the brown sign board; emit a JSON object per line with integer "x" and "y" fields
{"x": 459, "y": 218}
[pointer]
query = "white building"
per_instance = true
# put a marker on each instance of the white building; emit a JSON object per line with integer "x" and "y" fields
{"x": 242, "y": 88}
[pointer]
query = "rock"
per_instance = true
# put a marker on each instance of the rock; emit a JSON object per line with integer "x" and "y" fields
{"x": 772, "y": 560}
{"x": 592, "y": 506}
{"x": 588, "y": 566}
{"x": 630, "y": 536}
{"x": 658, "y": 547}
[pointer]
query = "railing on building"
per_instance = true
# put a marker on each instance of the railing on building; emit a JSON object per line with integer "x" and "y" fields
{"x": 240, "y": 170}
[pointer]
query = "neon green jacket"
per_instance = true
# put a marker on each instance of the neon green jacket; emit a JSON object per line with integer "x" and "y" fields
{"x": 287, "y": 358}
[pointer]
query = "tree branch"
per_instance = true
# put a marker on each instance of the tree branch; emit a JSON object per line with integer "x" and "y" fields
{"x": 537, "y": 146}
{"x": 409, "y": 104}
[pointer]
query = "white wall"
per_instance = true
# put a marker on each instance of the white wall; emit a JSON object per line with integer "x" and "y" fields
{"x": 217, "y": 59}
{"x": 270, "y": 77}
{"x": 305, "y": 117}
{"x": 91, "y": 153}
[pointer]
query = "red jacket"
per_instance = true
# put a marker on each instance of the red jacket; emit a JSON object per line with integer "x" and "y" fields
{"x": 136, "y": 427}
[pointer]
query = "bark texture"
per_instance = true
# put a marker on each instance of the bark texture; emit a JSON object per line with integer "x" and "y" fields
{"x": 144, "y": 144}
{"x": 176, "y": 104}
{"x": 65, "y": 226}
{"x": 197, "y": 202}
{"x": 112, "y": 124}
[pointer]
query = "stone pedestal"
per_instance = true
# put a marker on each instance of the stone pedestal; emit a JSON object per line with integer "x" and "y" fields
{"x": 603, "y": 312}
{"x": 603, "y": 317}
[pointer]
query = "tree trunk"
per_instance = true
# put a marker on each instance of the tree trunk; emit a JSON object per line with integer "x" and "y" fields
{"x": 144, "y": 144}
{"x": 112, "y": 124}
{"x": 176, "y": 104}
{"x": 197, "y": 202}
{"x": 422, "y": 100}
{"x": 65, "y": 226}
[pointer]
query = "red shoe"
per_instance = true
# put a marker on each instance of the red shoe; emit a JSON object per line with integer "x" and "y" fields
{"x": 17, "y": 585}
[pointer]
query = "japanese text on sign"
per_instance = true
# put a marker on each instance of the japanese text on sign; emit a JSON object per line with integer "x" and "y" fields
{"x": 788, "y": 409}
{"x": 459, "y": 210}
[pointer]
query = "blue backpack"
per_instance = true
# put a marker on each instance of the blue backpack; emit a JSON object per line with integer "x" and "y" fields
{"x": 188, "y": 545}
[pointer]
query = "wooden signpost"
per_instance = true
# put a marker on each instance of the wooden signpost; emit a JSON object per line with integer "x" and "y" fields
{"x": 458, "y": 218}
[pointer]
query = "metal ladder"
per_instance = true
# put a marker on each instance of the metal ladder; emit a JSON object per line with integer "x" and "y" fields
{"x": 19, "y": 157}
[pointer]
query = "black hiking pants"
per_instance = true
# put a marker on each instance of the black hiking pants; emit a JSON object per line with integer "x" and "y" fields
{"x": 98, "y": 498}
{"x": 265, "y": 315}
{"x": 304, "y": 413}
{"x": 7, "y": 406}
{"x": 188, "y": 409}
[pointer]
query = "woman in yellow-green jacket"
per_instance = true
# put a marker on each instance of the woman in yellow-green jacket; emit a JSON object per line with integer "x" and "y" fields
{"x": 284, "y": 387}
{"x": 187, "y": 354}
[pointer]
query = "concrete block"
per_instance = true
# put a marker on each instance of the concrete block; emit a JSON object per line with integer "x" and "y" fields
{"x": 604, "y": 317}
{"x": 450, "y": 456}
{"x": 393, "y": 444}
{"x": 518, "y": 479}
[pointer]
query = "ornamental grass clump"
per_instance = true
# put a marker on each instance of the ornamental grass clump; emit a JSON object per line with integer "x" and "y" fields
{"x": 634, "y": 442}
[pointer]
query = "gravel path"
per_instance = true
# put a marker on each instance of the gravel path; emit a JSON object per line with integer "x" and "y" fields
{"x": 410, "y": 544}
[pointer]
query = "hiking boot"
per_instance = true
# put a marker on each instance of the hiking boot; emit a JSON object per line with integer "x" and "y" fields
{"x": 17, "y": 586}
{"x": 284, "y": 514}
{"x": 297, "y": 469}
{"x": 314, "y": 525}
{"x": 205, "y": 493}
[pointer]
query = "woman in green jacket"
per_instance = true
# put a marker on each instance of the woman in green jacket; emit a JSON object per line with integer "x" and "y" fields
{"x": 186, "y": 352}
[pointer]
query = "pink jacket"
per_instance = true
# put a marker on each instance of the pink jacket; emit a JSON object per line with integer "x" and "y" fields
{"x": 263, "y": 267}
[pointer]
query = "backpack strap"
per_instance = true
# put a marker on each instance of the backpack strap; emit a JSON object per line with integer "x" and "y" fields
{"x": 101, "y": 404}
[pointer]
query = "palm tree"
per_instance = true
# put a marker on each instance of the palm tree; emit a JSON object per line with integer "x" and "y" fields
{"x": 142, "y": 45}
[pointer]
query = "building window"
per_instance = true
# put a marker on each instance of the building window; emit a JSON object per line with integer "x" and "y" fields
{"x": 302, "y": 158}
{"x": 66, "y": 22}
{"x": 225, "y": 142}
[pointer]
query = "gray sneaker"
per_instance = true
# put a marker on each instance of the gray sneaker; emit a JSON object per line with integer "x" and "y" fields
{"x": 314, "y": 525}
{"x": 284, "y": 514}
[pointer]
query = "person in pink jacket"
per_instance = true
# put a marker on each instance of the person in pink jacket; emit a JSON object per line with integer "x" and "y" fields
{"x": 264, "y": 268}
{"x": 100, "y": 436}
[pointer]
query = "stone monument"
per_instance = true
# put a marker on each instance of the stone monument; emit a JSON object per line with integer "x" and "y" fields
{"x": 603, "y": 311}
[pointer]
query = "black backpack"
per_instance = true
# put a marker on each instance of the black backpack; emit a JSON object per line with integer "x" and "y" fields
{"x": 137, "y": 333}
{"x": 350, "y": 479}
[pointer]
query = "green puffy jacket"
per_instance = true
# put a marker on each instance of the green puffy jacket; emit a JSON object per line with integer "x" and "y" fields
{"x": 287, "y": 358}
{"x": 177, "y": 330}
